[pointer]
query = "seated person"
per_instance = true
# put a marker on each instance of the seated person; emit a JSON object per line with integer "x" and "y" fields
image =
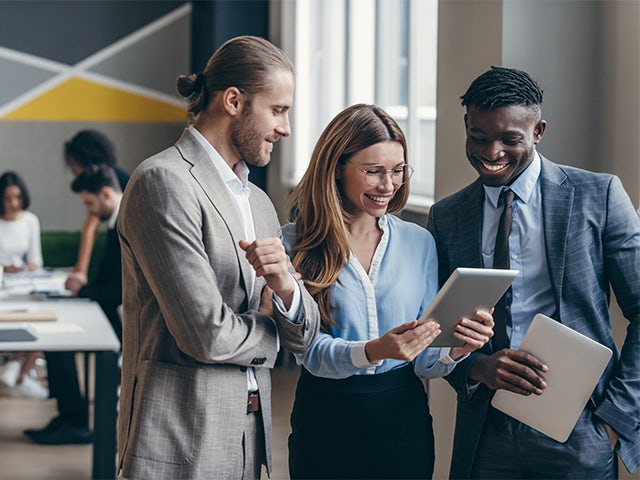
{"x": 101, "y": 195}
{"x": 87, "y": 148}
{"x": 20, "y": 249}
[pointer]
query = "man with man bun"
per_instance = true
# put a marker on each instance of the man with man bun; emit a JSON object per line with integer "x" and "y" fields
{"x": 208, "y": 294}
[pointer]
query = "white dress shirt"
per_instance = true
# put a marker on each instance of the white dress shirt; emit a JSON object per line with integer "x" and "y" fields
{"x": 237, "y": 180}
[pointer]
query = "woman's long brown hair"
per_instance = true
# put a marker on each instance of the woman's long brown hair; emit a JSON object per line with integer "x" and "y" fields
{"x": 316, "y": 204}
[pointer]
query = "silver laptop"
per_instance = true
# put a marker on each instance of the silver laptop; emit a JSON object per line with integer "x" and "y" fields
{"x": 575, "y": 365}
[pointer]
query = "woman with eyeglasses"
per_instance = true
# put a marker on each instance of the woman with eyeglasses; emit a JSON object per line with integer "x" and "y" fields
{"x": 360, "y": 409}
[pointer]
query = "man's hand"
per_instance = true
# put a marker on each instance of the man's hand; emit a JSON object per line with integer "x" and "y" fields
{"x": 266, "y": 302}
{"x": 270, "y": 261}
{"x": 612, "y": 434}
{"x": 512, "y": 370}
{"x": 81, "y": 276}
{"x": 12, "y": 269}
{"x": 27, "y": 363}
{"x": 474, "y": 332}
{"x": 75, "y": 281}
{"x": 403, "y": 342}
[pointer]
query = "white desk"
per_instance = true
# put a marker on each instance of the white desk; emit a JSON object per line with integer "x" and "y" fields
{"x": 81, "y": 327}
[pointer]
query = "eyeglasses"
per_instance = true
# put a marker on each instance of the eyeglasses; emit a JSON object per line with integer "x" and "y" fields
{"x": 376, "y": 174}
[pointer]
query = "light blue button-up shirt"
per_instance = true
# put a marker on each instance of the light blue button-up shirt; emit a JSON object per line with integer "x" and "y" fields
{"x": 402, "y": 281}
{"x": 531, "y": 289}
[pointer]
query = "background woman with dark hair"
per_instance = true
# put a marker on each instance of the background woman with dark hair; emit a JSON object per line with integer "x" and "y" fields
{"x": 361, "y": 410}
{"x": 20, "y": 250}
{"x": 20, "y": 247}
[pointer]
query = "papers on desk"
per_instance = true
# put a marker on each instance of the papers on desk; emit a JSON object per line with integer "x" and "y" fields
{"x": 44, "y": 282}
{"x": 56, "y": 328}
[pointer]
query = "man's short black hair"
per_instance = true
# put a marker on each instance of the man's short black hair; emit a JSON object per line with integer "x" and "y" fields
{"x": 502, "y": 87}
{"x": 95, "y": 178}
{"x": 90, "y": 147}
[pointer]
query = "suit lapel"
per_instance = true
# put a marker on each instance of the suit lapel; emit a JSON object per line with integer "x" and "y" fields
{"x": 263, "y": 228}
{"x": 470, "y": 214}
{"x": 207, "y": 176}
{"x": 260, "y": 218}
{"x": 557, "y": 205}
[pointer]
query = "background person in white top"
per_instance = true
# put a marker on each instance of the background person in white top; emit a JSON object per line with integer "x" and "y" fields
{"x": 20, "y": 250}
{"x": 20, "y": 247}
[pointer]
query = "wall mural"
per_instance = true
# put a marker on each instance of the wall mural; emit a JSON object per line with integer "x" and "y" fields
{"x": 103, "y": 61}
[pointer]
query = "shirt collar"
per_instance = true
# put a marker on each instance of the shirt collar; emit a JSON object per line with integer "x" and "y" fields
{"x": 383, "y": 222}
{"x": 114, "y": 217}
{"x": 236, "y": 179}
{"x": 523, "y": 186}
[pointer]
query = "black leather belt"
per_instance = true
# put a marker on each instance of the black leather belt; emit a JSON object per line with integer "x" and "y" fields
{"x": 253, "y": 402}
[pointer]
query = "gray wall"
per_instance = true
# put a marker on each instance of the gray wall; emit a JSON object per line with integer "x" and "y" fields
{"x": 561, "y": 49}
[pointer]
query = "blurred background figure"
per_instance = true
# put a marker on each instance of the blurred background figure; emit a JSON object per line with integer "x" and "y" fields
{"x": 20, "y": 250}
{"x": 90, "y": 148}
{"x": 20, "y": 247}
{"x": 101, "y": 195}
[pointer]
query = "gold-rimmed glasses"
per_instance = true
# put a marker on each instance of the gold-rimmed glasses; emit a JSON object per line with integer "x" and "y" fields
{"x": 375, "y": 174}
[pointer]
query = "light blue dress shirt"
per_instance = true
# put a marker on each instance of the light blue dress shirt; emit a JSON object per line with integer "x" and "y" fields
{"x": 402, "y": 281}
{"x": 531, "y": 289}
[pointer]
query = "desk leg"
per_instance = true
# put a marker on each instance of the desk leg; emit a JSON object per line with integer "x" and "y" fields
{"x": 105, "y": 415}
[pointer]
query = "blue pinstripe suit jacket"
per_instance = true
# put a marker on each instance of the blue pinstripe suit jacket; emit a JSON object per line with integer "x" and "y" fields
{"x": 592, "y": 237}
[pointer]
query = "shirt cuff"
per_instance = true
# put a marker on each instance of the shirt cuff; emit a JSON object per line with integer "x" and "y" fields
{"x": 294, "y": 310}
{"x": 359, "y": 357}
{"x": 445, "y": 357}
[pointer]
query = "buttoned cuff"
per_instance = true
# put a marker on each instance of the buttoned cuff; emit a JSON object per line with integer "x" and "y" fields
{"x": 445, "y": 357}
{"x": 359, "y": 357}
{"x": 294, "y": 310}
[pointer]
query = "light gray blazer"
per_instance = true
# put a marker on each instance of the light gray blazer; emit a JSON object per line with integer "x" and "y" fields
{"x": 190, "y": 330}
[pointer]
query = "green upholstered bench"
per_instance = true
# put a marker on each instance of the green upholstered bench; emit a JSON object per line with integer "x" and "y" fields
{"x": 60, "y": 249}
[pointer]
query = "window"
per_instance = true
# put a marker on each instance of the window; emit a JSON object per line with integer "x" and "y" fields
{"x": 370, "y": 51}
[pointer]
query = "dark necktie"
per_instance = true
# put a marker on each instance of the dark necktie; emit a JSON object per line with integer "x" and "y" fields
{"x": 501, "y": 313}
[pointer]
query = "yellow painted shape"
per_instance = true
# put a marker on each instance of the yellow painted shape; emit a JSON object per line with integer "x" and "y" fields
{"x": 82, "y": 100}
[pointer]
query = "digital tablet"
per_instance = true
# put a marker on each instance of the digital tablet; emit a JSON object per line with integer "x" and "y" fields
{"x": 575, "y": 363}
{"x": 466, "y": 290}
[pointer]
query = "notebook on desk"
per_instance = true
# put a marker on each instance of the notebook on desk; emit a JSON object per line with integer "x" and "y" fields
{"x": 17, "y": 334}
{"x": 575, "y": 365}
